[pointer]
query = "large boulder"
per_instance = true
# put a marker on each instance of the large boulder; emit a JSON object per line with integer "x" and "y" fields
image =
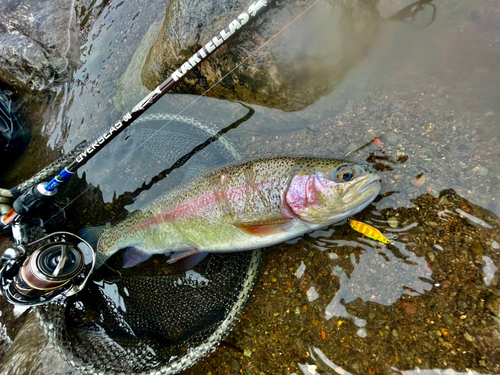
{"x": 36, "y": 42}
{"x": 302, "y": 64}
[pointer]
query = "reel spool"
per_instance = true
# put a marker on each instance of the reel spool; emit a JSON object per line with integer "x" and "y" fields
{"x": 58, "y": 266}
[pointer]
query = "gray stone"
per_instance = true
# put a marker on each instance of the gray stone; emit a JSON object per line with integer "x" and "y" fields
{"x": 37, "y": 42}
{"x": 302, "y": 64}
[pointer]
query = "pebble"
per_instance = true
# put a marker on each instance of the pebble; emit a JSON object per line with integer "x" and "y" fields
{"x": 395, "y": 333}
{"x": 393, "y": 222}
{"x": 312, "y": 294}
{"x": 432, "y": 224}
{"x": 469, "y": 337}
{"x": 489, "y": 269}
{"x": 247, "y": 353}
{"x": 476, "y": 248}
{"x": 483, "y": 171}
{"x": 300, "y": 270}
{"x": 409, "y": 307}
{"x": 418, "y": 182}
{"x": 438, "y": 247}
{"x": 235, "y": 365}
{"x": 361, "y": 332}
{"x": 333, "y": 256}
{"x": 495, "y": 245}
{"x": 431, "y": 256}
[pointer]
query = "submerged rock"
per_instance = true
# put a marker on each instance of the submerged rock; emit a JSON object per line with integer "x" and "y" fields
{"x": 36, "y": 42}
{"x": 301, "y": 65}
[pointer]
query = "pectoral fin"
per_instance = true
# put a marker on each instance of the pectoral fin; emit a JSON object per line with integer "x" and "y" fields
{"x": 265, "y": 228}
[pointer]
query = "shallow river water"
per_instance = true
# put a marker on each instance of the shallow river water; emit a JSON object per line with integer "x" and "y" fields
{"x": 426, "y": 85}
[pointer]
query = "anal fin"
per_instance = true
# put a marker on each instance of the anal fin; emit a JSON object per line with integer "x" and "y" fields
{"x": 192, "y": 260}
{"x": 133, "y": 256}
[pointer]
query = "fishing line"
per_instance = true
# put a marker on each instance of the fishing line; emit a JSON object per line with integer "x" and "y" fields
{"x": 186, "y": 157}
{"x": 177, "y": 164}
{"x": 197, "y": 98}
{"x": 220, "y": 80}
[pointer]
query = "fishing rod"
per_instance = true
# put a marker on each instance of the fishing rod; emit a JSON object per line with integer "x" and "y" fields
{"x": 33, "y": 198}
{"x": 59, "y": 265}
{"x": 31, "y": 275}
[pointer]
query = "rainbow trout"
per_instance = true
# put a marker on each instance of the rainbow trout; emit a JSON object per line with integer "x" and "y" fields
{"x": 243, "y": 206}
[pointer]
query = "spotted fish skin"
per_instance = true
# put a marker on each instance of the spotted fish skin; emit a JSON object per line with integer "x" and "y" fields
{"x": 245, "y": 206}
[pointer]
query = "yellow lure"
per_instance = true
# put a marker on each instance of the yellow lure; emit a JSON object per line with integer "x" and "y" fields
{"x": 368, "y": 231}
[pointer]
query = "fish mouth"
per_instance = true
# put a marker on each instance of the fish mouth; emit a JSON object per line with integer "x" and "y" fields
{"x": 357, "y": 197}
{"x": 370, "y": 185}
{"x": 366, "y": 183}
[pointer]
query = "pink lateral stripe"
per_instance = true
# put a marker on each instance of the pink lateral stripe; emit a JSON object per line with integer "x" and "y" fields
{"x": 202, "y": 204}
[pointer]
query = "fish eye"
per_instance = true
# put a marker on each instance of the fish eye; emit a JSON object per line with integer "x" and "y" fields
{"x": 345, "y": 174}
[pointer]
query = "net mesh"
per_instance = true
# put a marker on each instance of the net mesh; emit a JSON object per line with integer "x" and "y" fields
{"x": 152, "y": 324}
{"x": 139, "y": 321}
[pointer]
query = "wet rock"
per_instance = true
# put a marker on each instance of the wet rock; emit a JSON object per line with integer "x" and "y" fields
{"x": 285, "y": 74}
{"x": 37, "y": 42}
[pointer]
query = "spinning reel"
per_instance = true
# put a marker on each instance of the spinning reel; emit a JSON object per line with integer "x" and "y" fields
{"x": 53, "y": 267}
